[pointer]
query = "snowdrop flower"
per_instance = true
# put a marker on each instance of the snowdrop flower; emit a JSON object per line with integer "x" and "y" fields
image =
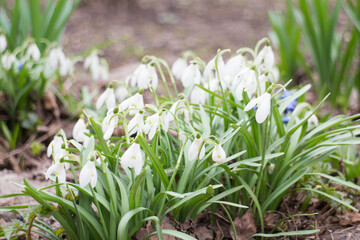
{"x": 191, "y": 75}
{"x": 263, "y": 106}
{"x": 218, "y": 155}
{"x": 97, "y": 67}
{"x": 8, "y": 60}
{"x": 56, "y": 57}
{"x": 177, "y": 108}
{"x": 198, "y": 96}
{"x": 136, "y": 124}
{"x": 91, "y": 60}
{"x": 109, "y": 123}
{"x": 165, "y": 120}
{"x": 132, "y": 158}
{"x": 179, "y": 67}
{"x": 3, "y": 43}
{"x": 100, "y": 71}
{"x": 88, "y": 174}
{"x": 59, "y": 170}
{"x": 265, "y": 56}
{"x": 33, "y": 52}
{"x": 271, "y": 168}
{"x": 195, "y": 151}
{"x": 121, "y": 93}
{"x": 134, "y": 103}
{"x": 210, "y": 71}
{"x": 108, "y": 97}
{"x": 151, "y": 125}
{"x": 245, "y": 81}
{"x": 233, "y": 66}
{"x": 79, "y": 131}
{"x": 134, "y": 79}
{"x": 66, "y": 67}
{"x": 56, "y": 149}
{"x": 313, "y": 121}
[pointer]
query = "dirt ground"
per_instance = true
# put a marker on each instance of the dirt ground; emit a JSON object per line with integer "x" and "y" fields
{"x": 164, "y": 28}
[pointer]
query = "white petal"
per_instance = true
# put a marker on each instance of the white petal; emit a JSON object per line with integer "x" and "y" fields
{"x": 110, "y": 100}
{"x": 218, "y": 154}
{"x": 263, "y": 108}
{"x": 178, "y": 67}
{"x": 251, "y": 104}
{"x": 194, "y": 149}
{"x": 102, "y": 98}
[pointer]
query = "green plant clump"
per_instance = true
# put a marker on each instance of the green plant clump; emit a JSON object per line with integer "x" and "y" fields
{"x": 234, "y": 141}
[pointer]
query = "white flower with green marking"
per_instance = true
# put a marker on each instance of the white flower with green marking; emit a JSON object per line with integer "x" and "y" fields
{"x": 218, "y": 155}
{"x": 132, "y": 158}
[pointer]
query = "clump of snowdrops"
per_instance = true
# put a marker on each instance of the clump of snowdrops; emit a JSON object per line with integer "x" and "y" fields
{"x": 27, "y": 74}
{"x": 234, "y": 139}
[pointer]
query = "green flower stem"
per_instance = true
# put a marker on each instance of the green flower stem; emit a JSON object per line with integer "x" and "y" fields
{"x": 174, "y": 174}
{"x": 262, "y": 167}
{"x": 225, "y": 103}
{"x": 170, "y": 74}
{"x": 163, "y": 79}
{"x": 99, "y": 209}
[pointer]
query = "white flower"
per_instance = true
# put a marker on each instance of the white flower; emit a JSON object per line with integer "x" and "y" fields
{"x": 136, "y": 124}
{"x": 66, "y": 67}
{"x": 195, "y": 151}
{"x": 121, "y": 93}
{"x": 3, "y": 43}
{"x": 265, "y": 56}
{"x": 178, "y": 67}
{"x": 33, "y": 52}
{"x": 134, "y": 79}
{"x": 198, "y": 96}
{"x": 165, "y": 120}
{"x": 107, "y": 97}
{"x": 210, "y": 71}
{"x": 245, "y": 81}
{"x": 132, "y": 158}
{"x": 151, "y": 124}
{"x": 56, "y": 57}
{"x": 313, "y": 121}
{"x": 88, "y": 174}
{"x": 191, "y": 75}
{"x": 79, "y": 131}
{"x": 263, "y": 106}
{"x": 55, "y": 147}
{"x": 153, "y": 76}
{"x": 233, "y": 66}
{"x": 97, "y": 67}
{"x": 218, "y": 155}
{"x": 177, "y": 108}
{"x": 91, "y": 60}
{"x": 59, "y": 170}
{"x": 134, "y": 103}
{"x": 9, "y": 60}
{"x": 109, "y": 123}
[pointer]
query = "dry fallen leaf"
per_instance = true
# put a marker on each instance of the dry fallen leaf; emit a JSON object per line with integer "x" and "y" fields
{"x": 349, "y": 218}
{"x": 245, "y": 226}
{"x": 203, "y": 233}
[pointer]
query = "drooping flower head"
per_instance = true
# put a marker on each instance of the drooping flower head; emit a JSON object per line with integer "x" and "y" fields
{"x": 196, "y": 151}
{"x": 132, "y": 158}
{"x": 218, "y": 155}
{"x": 263, "y": 107}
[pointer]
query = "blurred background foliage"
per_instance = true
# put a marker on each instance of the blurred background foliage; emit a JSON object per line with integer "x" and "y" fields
{"x": 309, "y": 38}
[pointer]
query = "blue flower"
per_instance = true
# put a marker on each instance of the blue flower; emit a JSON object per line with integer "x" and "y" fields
{"x": 285, "y": 119}
{"x": 21, "y": 65}
{"x": 292, "y": 105}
